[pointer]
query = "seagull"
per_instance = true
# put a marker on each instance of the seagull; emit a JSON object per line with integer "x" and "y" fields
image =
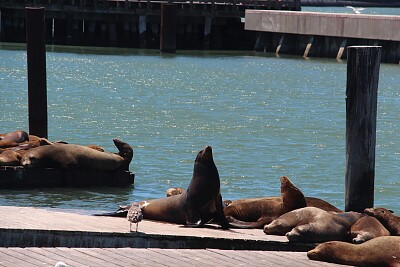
{"x": 356, "y": 10}
{"x": 134, "y": 215}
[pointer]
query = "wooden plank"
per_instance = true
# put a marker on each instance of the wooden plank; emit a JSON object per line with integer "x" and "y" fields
{"x": 178, "y": 254}
{"x": 44, "y": 261}
{"x": 13, "y": 258}
{"x": 157, "y": 258}
{"x": 80, "y": 257}
{"x": 141, "y": 257}
{"x": 52, "y": 254}
{"x": 110, "y": 258}
{"x": 195, "y": 258}
{"x": 206, "y": 256}
{"x": 226, "y": 256}
{"x": 240, "y": 257}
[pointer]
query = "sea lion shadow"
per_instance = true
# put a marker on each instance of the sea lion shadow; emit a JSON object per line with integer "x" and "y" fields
{"x": 207, "y": 226}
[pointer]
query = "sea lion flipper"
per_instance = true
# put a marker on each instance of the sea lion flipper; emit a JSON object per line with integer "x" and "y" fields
{"x": 219, "y": 215}
{"x": 193, "y": 218}
{"x": 233, "y": 222}
{"x": 125, "y": 151}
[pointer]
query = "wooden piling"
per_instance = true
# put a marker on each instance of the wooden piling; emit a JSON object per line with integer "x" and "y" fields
{"x": 36, "y": 64}
{"x": 168, "y": 28}
{"x": 363, "y": 64}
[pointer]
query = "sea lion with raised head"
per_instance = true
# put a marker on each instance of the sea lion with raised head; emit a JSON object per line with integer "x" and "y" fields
{"x": 387, "y": 218}
{"x": 73, "y": 157}
{"x": 367, "y": 228}
{"x": 198, "y": 205}
{"x": 257, "y": 212}
{"x": 312, "y": 224}
{"x": 381, "y": 251}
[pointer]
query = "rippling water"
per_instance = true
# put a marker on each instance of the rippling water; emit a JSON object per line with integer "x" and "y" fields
{"x": 264, "y": 117}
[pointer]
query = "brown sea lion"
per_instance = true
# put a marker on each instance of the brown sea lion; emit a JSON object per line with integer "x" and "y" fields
{"x": 30, "y": 144}
{"x": 387, "y": 218}
{"x": 10, "y": 158}
{"x": 257, "y": 212}
{"x": 366, "y": 228}
{"x": 174, "y": 191}
{"x": 381, "y": 251}
{"x": 13, "y": 138}
{"x": 68, "y": 156}
{"x": 312, "y": 224}
{"x": 196, "y": 206}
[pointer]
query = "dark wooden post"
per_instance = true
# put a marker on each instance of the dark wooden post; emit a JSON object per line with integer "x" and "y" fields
{"x": 168, "y": 28}
{"x": 36, "y": 62}
{"x": 363, "y": 64}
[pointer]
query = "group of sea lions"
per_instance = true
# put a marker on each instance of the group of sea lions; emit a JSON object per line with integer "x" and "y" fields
{"x": 18, "y": 148}
{"x": 375, "y": 233}
{"x": 300, "y": 218}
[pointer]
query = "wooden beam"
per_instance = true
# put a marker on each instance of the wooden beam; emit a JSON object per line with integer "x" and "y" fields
{"x": 36, "y": 64}
{"x": 363, "y": 64}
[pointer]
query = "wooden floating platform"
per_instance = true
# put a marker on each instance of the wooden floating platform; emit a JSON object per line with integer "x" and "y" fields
{"x": 19, "y": 177}
{"x": 110, "y": 257}
{"x": 40, "y": 237}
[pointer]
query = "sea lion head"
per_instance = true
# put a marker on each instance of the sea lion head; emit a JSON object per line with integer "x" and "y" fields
{"x": 322, "y": 251}
{"x": 292, "y": 197}
{"x": 29, "y": 160}
{"x": 378, "y": 212}
{"x": 204, "y": 155}
{"x": 174, "y": 191}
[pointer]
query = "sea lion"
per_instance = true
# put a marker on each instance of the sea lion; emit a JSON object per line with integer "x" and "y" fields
{"x": 174, "y": 191}
{"x": 367, "y": 228}
{"x": 198, "y": 205}
{"x": 381, "y": 251}
{"x": 30, "y": 144}
{"x": 10, "y": 158}
{"x": 257, "y": 212}
{"x": 312, "y": 224}
{"x": 13, "y": 138}
{"x": 69, "y": 156}
{"x": 387, "y": 218}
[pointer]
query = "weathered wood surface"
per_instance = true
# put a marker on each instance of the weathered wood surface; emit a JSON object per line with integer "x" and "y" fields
{"x": 151, "y": 257}
{"x": 64, "y": 225}
{"x": 25, "y": 226}
{"x": 363, "y": 64}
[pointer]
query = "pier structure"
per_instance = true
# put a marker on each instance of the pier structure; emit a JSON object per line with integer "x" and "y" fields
{"x": 208, "y": 24}
{"x": 42, "y": 237}
{"x": 315, "y": 34}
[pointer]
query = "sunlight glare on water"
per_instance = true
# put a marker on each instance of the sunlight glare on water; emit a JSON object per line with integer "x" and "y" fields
{"x": 265, "y": 117}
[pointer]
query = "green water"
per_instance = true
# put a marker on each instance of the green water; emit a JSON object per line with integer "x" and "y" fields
{"x": 264, "y": 116}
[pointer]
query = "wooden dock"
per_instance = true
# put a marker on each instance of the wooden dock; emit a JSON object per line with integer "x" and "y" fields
{"x": 42, "y": 237}
{"x": 206, "y": 24}
{"x": 19, "y": 177}
{"x": 320, "y": 34}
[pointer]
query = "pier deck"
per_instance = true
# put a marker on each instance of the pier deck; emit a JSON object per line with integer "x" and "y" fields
{"x": 41, "y": 237}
